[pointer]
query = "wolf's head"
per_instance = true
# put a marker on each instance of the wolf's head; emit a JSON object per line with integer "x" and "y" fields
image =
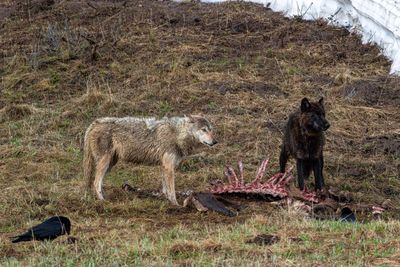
{"x": 313, "y": 116}
{"x": 201, "y": 130}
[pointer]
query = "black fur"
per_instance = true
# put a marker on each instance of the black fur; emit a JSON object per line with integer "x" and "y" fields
{"x": 47, "y": 230}
{"x": 304, "y": 140}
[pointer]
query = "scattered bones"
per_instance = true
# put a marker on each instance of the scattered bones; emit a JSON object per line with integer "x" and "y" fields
{"x": 277, "y": 187}
{"x": 201, "y": 201}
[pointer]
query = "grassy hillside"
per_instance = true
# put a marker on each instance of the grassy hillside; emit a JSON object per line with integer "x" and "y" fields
{"x": 65, "y": 63}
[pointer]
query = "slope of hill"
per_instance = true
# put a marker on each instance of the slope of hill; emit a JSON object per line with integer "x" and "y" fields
{"x": 65, "y": 63}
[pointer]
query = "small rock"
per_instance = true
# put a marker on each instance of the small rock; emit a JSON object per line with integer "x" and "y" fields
{"x": 347, "y": 215}
{"x": 264, "y": 240}
{"x": 71, "y": 240}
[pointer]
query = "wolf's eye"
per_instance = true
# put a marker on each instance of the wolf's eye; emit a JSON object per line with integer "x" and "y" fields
{"x": 204, "y": 130}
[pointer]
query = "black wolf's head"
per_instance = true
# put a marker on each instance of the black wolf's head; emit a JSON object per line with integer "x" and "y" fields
{"x": 313, "y": 116}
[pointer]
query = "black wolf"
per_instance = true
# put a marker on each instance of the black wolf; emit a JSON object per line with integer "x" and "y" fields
{"x": 304, "y": 140}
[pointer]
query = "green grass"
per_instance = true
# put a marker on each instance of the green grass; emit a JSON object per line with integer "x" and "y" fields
{"x": 205, "y": 244}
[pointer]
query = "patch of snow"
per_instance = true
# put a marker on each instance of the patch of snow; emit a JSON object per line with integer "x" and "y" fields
{"x": 378, "y": 21}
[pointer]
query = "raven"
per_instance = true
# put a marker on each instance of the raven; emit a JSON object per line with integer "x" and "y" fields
{"x": 47, "y": 230}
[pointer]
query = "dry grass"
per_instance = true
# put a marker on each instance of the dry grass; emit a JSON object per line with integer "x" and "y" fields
{"x": 65, "y": 63}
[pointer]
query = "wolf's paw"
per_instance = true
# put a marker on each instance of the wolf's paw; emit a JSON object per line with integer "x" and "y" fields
{"x": 175, "y": 203}
{"x": 100, "y": 196}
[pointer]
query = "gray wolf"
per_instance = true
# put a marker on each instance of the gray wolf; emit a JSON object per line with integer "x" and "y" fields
{"x": 304, "y": 140}
{"x": 164, "y": 142}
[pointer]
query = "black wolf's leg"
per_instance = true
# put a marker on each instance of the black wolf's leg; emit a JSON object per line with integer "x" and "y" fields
{"x": 322, "y": 168}
{"x": 283, "y": 159}
{"x": 317, "y": 168}
{"x": 308, "y": 165}
{"x": 300, "y": 173}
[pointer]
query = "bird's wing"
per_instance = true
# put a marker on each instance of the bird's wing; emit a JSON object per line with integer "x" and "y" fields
{"x": 23, "y": 237}
{"x": 48, "y": 229}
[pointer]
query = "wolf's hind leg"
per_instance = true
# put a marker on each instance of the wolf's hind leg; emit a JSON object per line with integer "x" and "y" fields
{"x": 102, "y": 167}
{"x": 168, "y": 176}
{"x": 164, "y": 184}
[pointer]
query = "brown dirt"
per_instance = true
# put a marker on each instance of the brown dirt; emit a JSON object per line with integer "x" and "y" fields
{"x": 16, "y": 112}
{"x": 260, "y": 88}
{"x": 373, "y": 91}
{"x": 388, "y": 144}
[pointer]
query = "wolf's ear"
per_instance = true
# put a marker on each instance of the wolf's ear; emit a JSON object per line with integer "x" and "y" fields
{"x": 305, "y": 104}
{"x": 321, "y": 101}
{"x": 190, "y": 117}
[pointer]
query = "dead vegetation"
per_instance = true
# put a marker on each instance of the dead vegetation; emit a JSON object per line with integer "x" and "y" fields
{"x": 64, "y": 63}
{"x": 16, "y": 112}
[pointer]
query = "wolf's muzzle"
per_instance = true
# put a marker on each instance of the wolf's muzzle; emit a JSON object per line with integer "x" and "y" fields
{"x": 212, "y": 143}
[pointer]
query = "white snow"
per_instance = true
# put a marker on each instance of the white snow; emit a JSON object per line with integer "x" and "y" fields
{"x": 378, "y": 21}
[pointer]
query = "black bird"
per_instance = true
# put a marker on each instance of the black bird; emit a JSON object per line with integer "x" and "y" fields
{"x": 47, "y": 230}
{"x": 346, "y": 215}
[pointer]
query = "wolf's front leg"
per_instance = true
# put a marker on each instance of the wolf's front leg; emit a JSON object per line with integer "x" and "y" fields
{"x": 169, "y": 164}
{"x": 319, "y": 178}
{"x": 300, "y": 173}
{"x": 283, "y": 158}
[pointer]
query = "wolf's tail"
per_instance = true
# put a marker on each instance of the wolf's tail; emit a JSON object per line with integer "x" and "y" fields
{"x": 88, "y": 161}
